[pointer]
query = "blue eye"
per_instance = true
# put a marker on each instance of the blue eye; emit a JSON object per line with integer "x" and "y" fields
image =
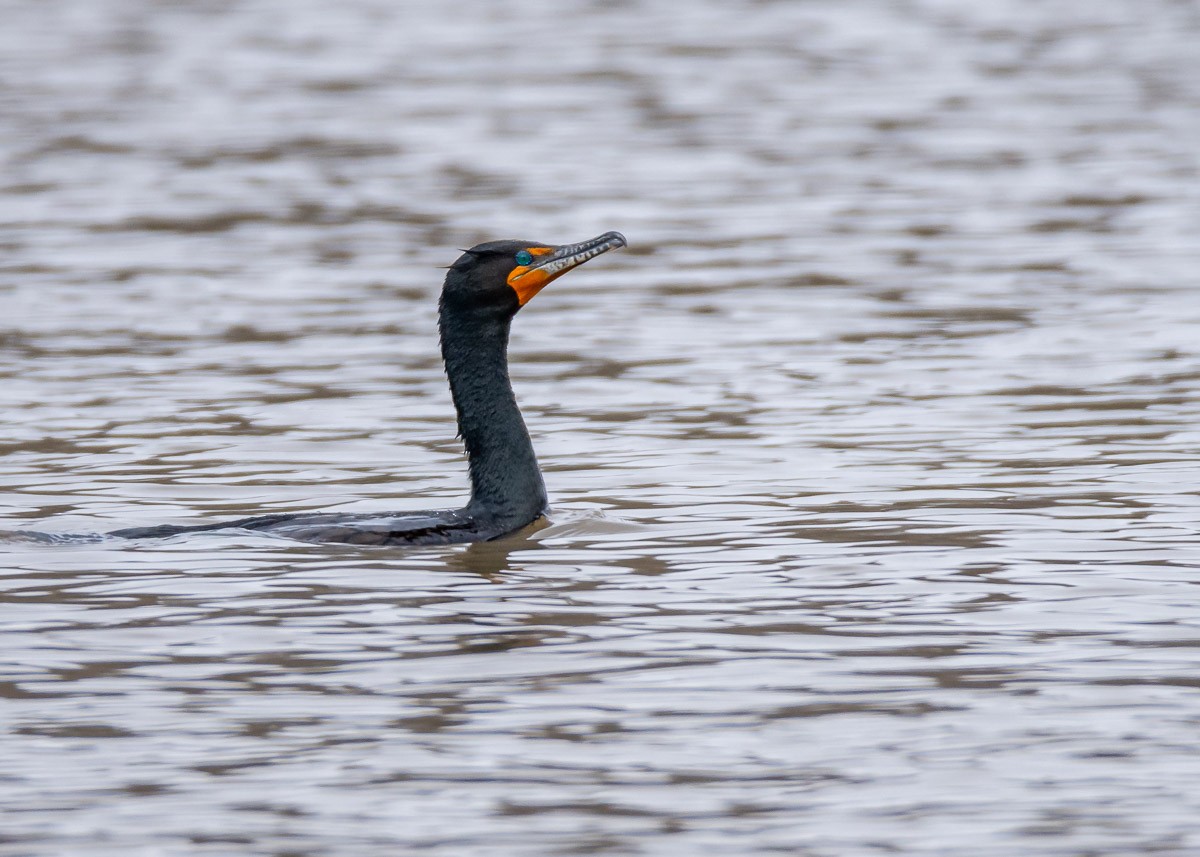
{"x": 524, "y": 257}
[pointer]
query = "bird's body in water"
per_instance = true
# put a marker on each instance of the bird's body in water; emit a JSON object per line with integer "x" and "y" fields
{"x": 484, "y": 289}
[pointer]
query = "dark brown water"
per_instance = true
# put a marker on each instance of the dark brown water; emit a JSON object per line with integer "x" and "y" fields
{"x": 874, "y": 458}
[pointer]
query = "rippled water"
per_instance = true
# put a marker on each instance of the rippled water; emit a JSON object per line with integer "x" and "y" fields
{"x": 874, "y": 458}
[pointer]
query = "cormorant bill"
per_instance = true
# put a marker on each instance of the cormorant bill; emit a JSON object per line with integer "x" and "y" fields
{"x": 484, "y": 289}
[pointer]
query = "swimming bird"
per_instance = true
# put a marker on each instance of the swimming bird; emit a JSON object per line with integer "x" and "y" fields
{"x": 482, "y": 293}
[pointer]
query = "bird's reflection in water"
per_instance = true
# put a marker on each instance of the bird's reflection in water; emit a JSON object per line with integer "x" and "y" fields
{"x": 490, "y": 559}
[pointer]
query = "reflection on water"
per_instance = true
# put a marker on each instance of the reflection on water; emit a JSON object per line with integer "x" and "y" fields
{"x": 873, "y": 458}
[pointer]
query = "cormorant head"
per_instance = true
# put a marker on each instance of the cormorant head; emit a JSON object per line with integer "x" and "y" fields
{"x": 500, "y": 277}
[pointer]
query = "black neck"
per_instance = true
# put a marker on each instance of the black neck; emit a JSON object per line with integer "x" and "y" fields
{"x": 506, "y": 484}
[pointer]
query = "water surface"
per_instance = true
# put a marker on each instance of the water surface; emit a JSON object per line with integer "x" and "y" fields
{"x": 873, "y": 458}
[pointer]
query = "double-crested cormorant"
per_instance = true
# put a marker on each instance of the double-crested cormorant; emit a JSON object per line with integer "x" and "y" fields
{"x": 483, "y": 291}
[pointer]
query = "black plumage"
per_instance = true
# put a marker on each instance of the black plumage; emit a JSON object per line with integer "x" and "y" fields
{"x": 483, "y": 291}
